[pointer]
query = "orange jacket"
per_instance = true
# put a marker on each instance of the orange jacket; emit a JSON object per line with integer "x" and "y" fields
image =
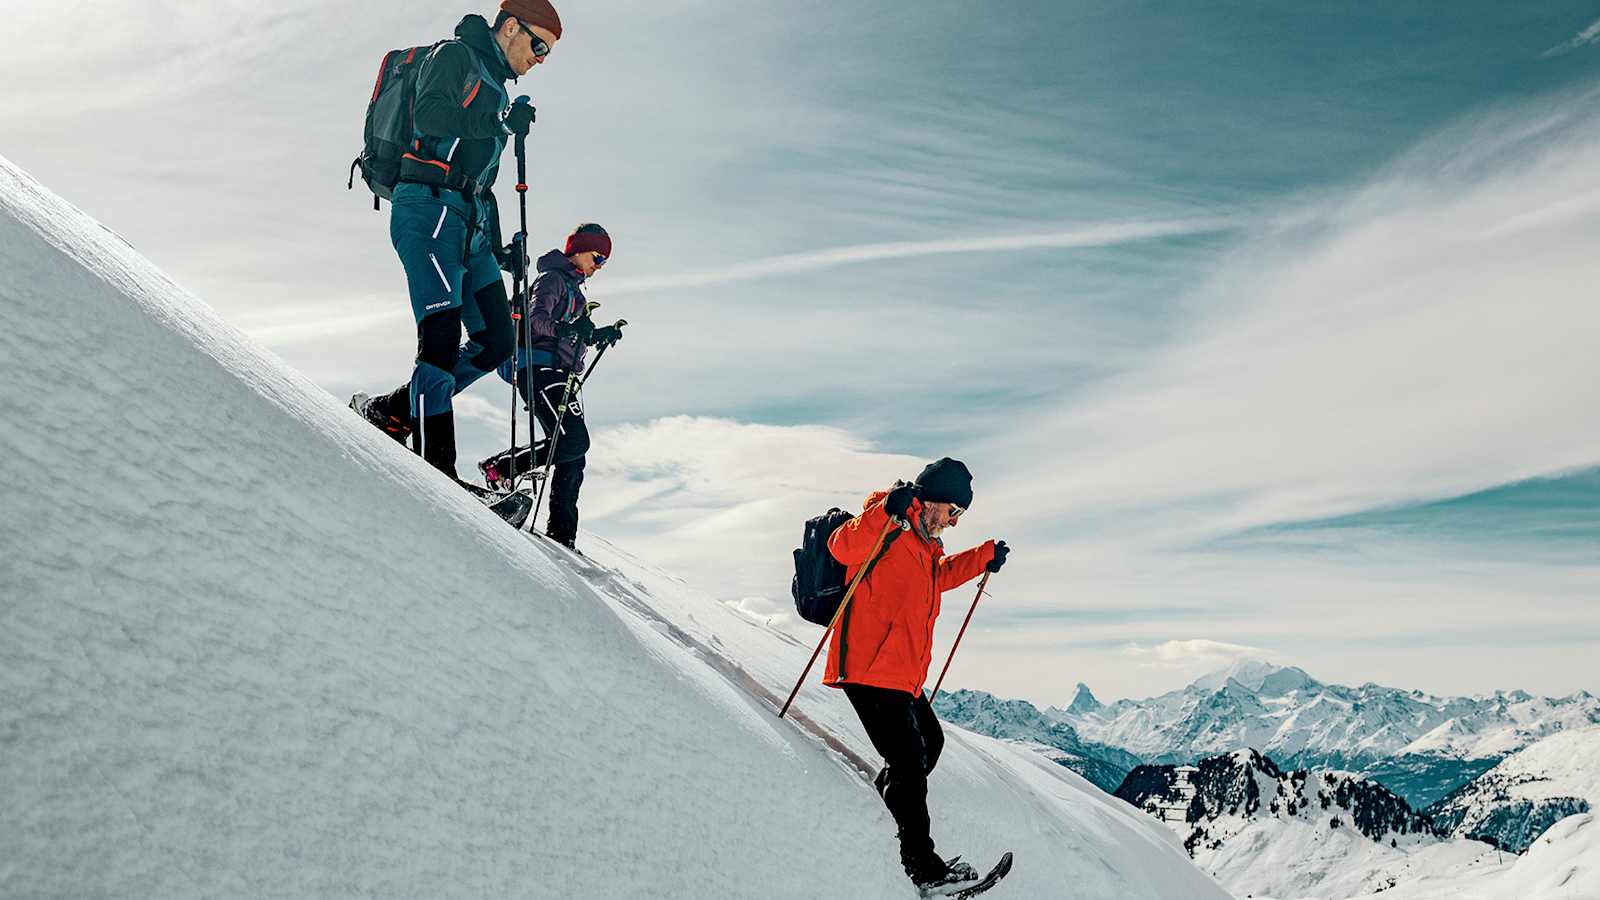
{"x": 885, "y": 638}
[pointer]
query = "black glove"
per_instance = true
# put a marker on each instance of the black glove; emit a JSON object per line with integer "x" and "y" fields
{"x": 578, "y": 330}
{"x": 605, "y": 336}
{"x": 519, "y": 116}
{"x": 507, "y": 256}
{"x": 1000, "y": 551}
{"x": 898, "y": 503}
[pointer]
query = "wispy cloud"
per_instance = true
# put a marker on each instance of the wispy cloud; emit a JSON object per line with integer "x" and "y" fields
{"x": 285, "y": 326}
{"x": 1195, "y": 653}
{"x": 1100, "y": 235}
{"x": 714, "y": 495}
{"x": 1426, "y": 336}
{"x": 1583, "y": 38}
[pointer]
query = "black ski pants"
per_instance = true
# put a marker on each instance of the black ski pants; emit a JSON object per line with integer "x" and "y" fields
{"x": 906, "y": 733}
{"x": 566, "y": 478}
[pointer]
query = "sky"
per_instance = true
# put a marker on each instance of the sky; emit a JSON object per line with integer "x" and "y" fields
{"x": 1266, "y": 330}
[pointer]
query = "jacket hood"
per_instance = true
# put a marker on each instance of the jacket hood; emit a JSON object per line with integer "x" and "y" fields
{"x": 474, "y": 31}
{"x": 556, "y": 261}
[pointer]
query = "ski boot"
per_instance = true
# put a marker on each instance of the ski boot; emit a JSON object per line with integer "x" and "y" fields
{"x": 367, "y": 409}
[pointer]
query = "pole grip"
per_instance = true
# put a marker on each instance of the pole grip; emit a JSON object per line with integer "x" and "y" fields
{"x": 839, "y": 613}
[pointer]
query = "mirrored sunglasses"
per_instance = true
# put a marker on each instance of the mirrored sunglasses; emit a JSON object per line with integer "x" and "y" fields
{"x": 540, "y": 48}
{"x": 599, "y": 260}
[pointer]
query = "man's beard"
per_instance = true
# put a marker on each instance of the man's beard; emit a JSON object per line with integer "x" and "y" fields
{"x": 928, "y": 528}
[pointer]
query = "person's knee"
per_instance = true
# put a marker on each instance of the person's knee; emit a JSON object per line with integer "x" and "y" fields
{"x": 495, "y": 352}
{"x": 438, "y": 339}
{"x": 573, "y": 449}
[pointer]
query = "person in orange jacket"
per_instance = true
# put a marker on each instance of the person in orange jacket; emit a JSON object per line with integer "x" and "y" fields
{"x": 880, "y": 653}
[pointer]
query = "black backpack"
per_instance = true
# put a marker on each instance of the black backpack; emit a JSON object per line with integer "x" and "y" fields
{"x": 819, "y": 579}
{"x": 388, "y": 132}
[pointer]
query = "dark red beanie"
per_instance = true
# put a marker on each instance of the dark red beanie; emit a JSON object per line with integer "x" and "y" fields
{"x": 589, "y": 237}
{"x": 534, "y": 12}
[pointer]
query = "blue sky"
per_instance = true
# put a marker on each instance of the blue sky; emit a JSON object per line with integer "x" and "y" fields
{"x": 1266, "y": 328}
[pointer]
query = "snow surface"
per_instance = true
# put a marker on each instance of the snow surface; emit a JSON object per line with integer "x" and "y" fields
{"x": 249, "y": 646}
{"x": 1563, "y": 864}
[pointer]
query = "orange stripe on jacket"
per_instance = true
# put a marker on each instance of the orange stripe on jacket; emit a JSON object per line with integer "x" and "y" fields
{"x": 470, "y": 97}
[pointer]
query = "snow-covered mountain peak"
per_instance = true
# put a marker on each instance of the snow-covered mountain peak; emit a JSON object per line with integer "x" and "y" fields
{"x": 1249, "y": 672}
{"x": 1421, "y": 746}
{"x": 1084, "y": 701}
{"x": 1262, "y": 830}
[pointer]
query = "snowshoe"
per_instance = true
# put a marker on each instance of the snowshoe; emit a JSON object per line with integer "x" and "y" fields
{"x": 988, "y": 881}
{"x": 514, "y": 507}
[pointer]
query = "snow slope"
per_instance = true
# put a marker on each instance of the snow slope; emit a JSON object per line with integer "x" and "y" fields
{"x": 269, "y": 653}
{"x": 1563, "y": 864}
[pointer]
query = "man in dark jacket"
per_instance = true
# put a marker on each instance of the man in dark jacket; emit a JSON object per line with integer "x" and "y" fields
{"x": 553, "y": 343}
{"x": 444, "y": 222}
{"x": 879, "y": 654}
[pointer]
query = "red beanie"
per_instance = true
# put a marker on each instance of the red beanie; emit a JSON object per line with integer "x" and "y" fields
{"x": 589, "y": 237}
{"x": 534, "y": 12}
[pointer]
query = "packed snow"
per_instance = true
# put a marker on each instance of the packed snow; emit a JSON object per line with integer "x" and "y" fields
{"x": 249, "y": 646}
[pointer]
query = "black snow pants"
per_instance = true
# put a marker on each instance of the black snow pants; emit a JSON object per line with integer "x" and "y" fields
{"x": 566, "y": 478}
{"x": 906, "y": 733}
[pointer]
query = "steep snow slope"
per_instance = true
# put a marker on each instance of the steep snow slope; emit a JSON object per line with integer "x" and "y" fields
{"x": 270, "y": 653}
{"x": 1530, "y": 790}
{"x": 986, "y": 793}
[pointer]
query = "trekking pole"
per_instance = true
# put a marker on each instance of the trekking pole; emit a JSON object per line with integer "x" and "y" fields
{"x": 519, "y": 287}
{"x": 872, "y": 557}
{"x": 981, "y": 585}
{"x": 550, "y": 454}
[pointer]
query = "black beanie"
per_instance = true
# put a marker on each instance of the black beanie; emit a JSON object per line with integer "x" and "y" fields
{"x": 946, "y": 481}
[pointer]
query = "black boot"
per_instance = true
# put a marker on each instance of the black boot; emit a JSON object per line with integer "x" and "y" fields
{"x": 376, "y": 410}
{"x": 439, "y": 443}
{"x": 935, "y": 877}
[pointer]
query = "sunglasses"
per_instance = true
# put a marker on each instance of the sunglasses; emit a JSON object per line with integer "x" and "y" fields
{"x": 599, "y": 260}
{"x": 956, "y": 511}
{"x": 540, "y": 48}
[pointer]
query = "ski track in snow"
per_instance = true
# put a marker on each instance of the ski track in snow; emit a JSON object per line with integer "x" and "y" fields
{"x": 271, "y": 653}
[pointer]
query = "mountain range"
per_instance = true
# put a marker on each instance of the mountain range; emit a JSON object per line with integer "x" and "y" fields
{"x": 1418, "y": 745}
